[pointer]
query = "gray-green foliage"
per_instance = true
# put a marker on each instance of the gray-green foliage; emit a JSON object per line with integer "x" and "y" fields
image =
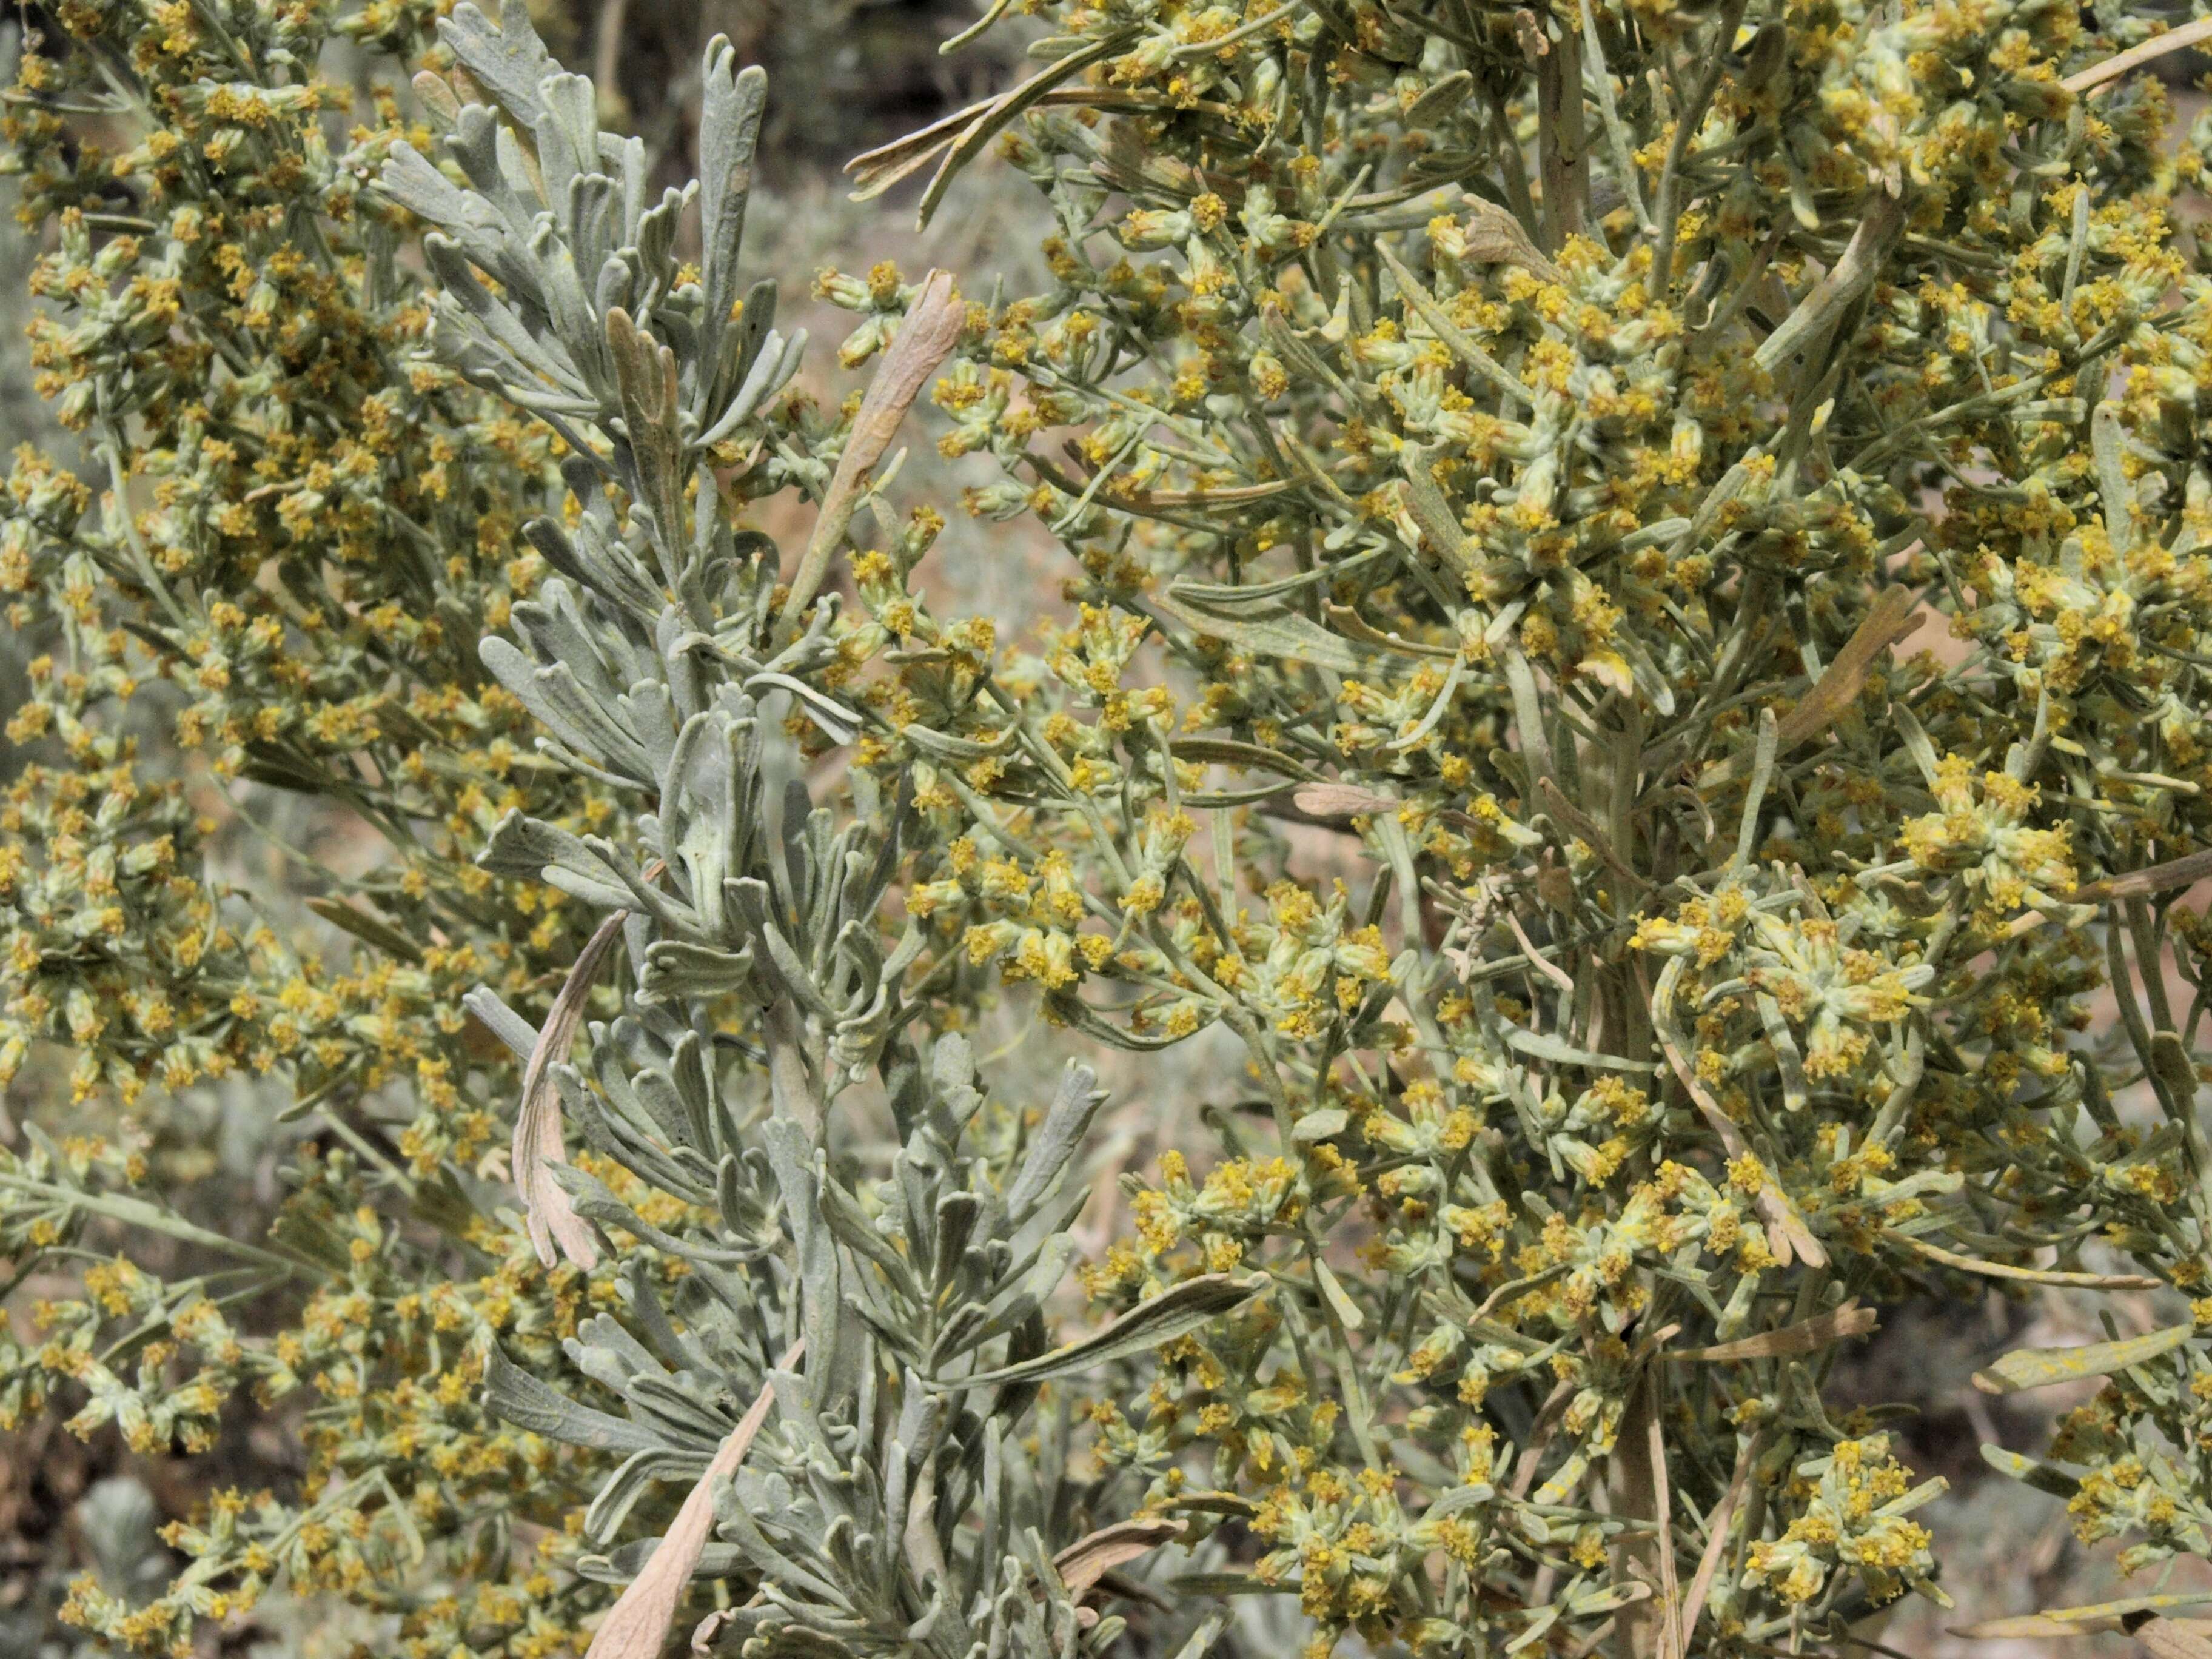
{"x": 1509, "y": 440}
{"x": 889, "y": 1504}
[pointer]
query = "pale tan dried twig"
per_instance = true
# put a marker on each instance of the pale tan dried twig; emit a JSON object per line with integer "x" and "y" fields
{"x": 2114, "y": 67}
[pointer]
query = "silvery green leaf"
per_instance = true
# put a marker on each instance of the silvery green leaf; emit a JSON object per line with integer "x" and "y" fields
{"x": 606, "y": 1352}
{"x": 514, "y": 188}
{"x": 2039, "y": 1368}
{"x": 743, "y": 346}
{"x": 743, "y": 1210}
{"x": 625, "y": 155}
{"x": 1606, "y": 1598}
{"x": 735, "y": 1519}
{"x": 675, "y": 1350}
{"x": 567, "y": 136}
{"x": 596, "y": 563}
{"x": 650, "y": 712}
{"x": 594, "y": 236}
{"x": 694, "y": 1093}
{"x": 749, "y": 900}
{"x": 569, "y": 306}
{"x": 857, "y": 952}
{"x": 617, "y": 1137}
{"x": 1067, "y": 1120}
{"x": 562, "y": 626}
{"x": 645, "y": 372}
{"x": 1045, "y": 1225}
{"x": 1787, "y": 1059}
{"x": 952, "y": 1076}
{"x": 1024, "y": 1295}
{"x": 553, "y": 694}
{"x": 956, "y": 1335}
{"x": 592, "y": 1199}
{"x": 1073, "y": 1010}
{"x": 774, "y": 365}
{"x": 666, "y": 1401}
{"x": 519, "y": 1036}
{"x": 617, "y": 288}
{"x": 508, "y": 57}
{"x": 522, "y": 845}
{"x": 598, "y": 887}
{"x": 531, "y": 357}
{"x": 943, "y": 745}
{"x": 893, "y": 1326}
{"x": 412, "y": 180}
{"x": 1461, "y": 1498}
{"x": 474, "y": 145}
{"x": 792, "y": 1156}
{"x": 855, "y": 1229}
{"x": 838, "y": 723}
{"x": 656, "y": 1097}
{"x": 954, "y": 1224}
{"x": 654, "y": 242}
{"x": 1177, "y": 1311}
{"x": 684, "y": 652}
{"x": 2107, "y": 445}
{"x": 846, "y": 1558}
{"x": 640, "y": 1471}
{"x": 1433, "y": 514}
{"x": 1340, "y": 1304}
{"x": 731, "y": 103}
{"x": 804, "y": 1429}
{"x": 675, "y": 968}
{"x": 514, "y": 1396}
{"x": 1544, "y": 1046}
{"x": 119, "y": 1520}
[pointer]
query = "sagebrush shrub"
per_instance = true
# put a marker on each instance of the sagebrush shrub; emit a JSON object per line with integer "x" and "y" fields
{"x": 1512, "y": 442}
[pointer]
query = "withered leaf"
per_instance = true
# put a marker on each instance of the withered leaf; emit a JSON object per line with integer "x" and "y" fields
{"x": 1806, "y": 1336}
{"x": 637, "y": 1624}
{"x": 1089, "y": 1560}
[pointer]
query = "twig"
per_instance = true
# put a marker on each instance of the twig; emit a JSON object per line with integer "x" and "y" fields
{"x": 2112, "y": 68}
{"x": 606, "y": 54}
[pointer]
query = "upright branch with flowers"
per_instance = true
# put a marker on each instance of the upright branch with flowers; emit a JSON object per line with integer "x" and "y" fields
{"x": 1634, "y": 664}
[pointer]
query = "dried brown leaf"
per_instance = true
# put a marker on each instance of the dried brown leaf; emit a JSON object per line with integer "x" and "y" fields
{"x": 1806, "y": 1336}
{"x": 2168, "y": 1638}
{"x": 926, "y": 339}
{"x": 2093, "y": 1619}
{"x": 1326, "y": 801}
{"x": 637, "y": 1624}
{"x": 1838, "y": 686}
{"x": 1089, "y": 1560}
{"x": 1496, "y": 237}
{"x": 1716, "y": 1533}
{"x": 540, "y": 1143}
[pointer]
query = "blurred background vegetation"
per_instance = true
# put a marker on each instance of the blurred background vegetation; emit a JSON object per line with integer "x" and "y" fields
{"x": 845, "y": 74}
